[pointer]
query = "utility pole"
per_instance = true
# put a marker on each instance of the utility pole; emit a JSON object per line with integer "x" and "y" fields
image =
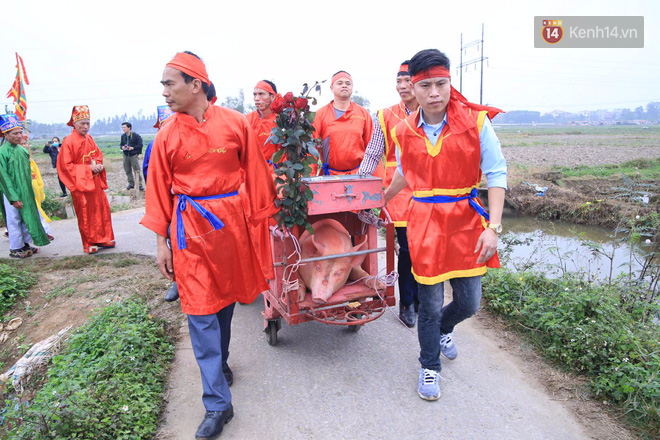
{"x": 480, "y": 60}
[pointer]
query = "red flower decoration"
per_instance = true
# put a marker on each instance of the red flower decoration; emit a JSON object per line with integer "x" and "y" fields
{"x": 288, "y": 98}
{"x": 278, "y": 105}
{"x": 300, "y": 103}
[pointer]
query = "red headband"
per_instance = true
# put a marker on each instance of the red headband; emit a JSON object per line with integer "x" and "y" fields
{"x": 340, "y": 75}
{"x": 263, "y": 85}
{"x": 433, "y": 72}
{"x": 190, "y": 65}
{"x": 403, "y": 68}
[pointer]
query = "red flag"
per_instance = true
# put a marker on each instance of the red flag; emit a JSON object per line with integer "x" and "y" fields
{"x": 17, "y": 90}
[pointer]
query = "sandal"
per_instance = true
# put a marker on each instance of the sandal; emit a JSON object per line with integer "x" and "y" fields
{"x": 27, "y": 247}
{"x": 20, "y": 253}
{"x": 91, "y": 249}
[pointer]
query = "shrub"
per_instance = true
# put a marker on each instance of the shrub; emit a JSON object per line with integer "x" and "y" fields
{"x": 52, "y": 205}
{"x": 587, "y": 328}
{"x": 106, "y": 384}
{"x": 14, "y": 284}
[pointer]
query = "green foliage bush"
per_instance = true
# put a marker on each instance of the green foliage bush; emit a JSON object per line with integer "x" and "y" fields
{"x": 52, "y": 205}
{"x": 587, "y": 328}
{"x": 106, "y": 384}
{"x": 14, "y": 284}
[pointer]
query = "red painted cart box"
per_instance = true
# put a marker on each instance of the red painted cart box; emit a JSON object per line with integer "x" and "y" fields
{"x": 344, "y": 193}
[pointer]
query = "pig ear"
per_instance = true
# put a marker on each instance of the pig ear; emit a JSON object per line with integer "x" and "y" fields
{"x": 319, "y": 246}
{"x": 358, "y": 259}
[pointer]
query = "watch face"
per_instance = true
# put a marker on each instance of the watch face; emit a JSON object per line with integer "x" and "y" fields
{"x": 496, "y": 227}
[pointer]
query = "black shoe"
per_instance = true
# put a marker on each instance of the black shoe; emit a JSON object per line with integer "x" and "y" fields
{"x": 407, "y": 315}
{"x": 213, "y": 423}
{"x": 229, "y": 375}
{"x": 130, "y": 187}
{"x": 172, "y": 293}
{"x": 63, "y": 195}
{"x": 142, "y": 188}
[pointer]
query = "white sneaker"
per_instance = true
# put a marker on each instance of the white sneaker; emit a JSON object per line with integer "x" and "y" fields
{"x": 428, "y": 387}
{"x": 447, "y": 347}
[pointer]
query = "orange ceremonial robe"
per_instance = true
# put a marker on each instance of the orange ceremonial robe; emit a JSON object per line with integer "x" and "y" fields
{"x": 218, "y": 267}
{"x": 262, "y": 128}
{"x": 388, "y": 118}
{"x": 442, "y": 236}
{"x": 87, "y": 189}
{"x": 349, "y": 136}
{"x": 261, "y": 232}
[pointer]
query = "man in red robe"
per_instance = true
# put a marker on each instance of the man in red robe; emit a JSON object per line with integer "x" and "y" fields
{"x": 198, "y": 161}
{"x": 442, "y": 151}
{"x": 80, "y": 168}
{"x": 262, "y": 119}
{"x": 344, "y": 128}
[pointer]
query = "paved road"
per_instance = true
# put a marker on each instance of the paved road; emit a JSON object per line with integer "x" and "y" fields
{"x": 324, "y": 382}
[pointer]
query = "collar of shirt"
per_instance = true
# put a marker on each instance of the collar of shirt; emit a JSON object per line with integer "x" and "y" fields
{"x": 437, "y": 129}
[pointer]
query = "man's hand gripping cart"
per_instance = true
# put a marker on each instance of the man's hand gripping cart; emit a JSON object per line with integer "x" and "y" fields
{"x": 349, "y": 200}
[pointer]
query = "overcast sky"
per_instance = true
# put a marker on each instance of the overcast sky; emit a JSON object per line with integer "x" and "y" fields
{"x": 110, "y": 55}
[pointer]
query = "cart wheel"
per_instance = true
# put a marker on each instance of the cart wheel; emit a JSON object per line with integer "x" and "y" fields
{"x": 356, "y": 328}
{"x": 272, "y": 333}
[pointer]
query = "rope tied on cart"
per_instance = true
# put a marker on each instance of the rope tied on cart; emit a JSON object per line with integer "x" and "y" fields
{"x": 208, "y": 215}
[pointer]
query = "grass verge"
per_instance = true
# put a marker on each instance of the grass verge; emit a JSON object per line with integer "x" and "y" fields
{"x": 106, "y": 384}
{"x": 589, "y": 329}
{"x": 640, "y": 168}
{"x": 14, "y": 284}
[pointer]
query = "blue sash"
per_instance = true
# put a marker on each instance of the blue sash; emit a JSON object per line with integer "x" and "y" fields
{"x": 212, "y": 219}
{"x": 325, "y": 168}
{"x": 449, "y": 199}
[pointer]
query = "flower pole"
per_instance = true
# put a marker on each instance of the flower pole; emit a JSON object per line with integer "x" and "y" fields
{"x": 294, "y": 134}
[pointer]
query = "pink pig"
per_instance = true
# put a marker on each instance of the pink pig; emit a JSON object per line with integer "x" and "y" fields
{"x": 326, "y": 277}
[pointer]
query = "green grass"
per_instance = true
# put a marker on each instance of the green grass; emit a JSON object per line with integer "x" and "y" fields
{"x": 567, "y": 136}
{"x": 639, "y": 168}
{"x": 14, "y": 284}
{"x": 591, "y": 329}
{"x": 106, "y": 384}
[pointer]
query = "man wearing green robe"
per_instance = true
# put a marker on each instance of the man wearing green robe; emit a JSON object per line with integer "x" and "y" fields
{"x": 19, "y": 206}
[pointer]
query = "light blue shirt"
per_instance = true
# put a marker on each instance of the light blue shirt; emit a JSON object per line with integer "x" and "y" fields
{"x": 492, "y": 165}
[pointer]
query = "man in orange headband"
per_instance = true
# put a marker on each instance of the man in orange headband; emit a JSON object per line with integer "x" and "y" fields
{"x": 262, "y": 120}
{"x": 442, "y": 151}
{"x": 381, "y": 144}
{"x": 344, "y": 128}
{"x": 198, "y": 161}
{"x": 80, "y": 167}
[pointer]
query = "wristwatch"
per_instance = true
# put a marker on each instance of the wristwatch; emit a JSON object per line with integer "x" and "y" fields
{"x": 497, "y": 227}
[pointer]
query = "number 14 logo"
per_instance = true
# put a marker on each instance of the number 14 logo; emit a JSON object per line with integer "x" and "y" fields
{"x": 552, "y": 31}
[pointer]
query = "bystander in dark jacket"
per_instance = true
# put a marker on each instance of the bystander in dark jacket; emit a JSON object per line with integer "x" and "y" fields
{"x": 52, "y": 148}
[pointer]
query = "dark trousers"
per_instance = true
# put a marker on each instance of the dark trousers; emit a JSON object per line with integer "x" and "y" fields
{"x": 407, "y": 283}
{"x": 210, "y": 335}
{"x": 62, "y": 186}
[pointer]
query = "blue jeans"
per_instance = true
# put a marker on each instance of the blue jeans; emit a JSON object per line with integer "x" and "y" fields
{"x": 210, "y": 335}
{"x": 434, "y": 319}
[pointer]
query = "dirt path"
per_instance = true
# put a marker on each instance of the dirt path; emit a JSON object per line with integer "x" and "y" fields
{"x": 324, "y": 382}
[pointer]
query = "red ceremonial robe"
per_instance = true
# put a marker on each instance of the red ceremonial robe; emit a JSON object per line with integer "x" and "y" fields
{"x": 262, "y": 128}
{"x": 388, "y": 118}
{"x": 442, "y": 236}
{"x": 218, "y": 267}
{"x": 261, "y": 232}
{"x": 87, "y": 189}
{"x": 349, "y": 136}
